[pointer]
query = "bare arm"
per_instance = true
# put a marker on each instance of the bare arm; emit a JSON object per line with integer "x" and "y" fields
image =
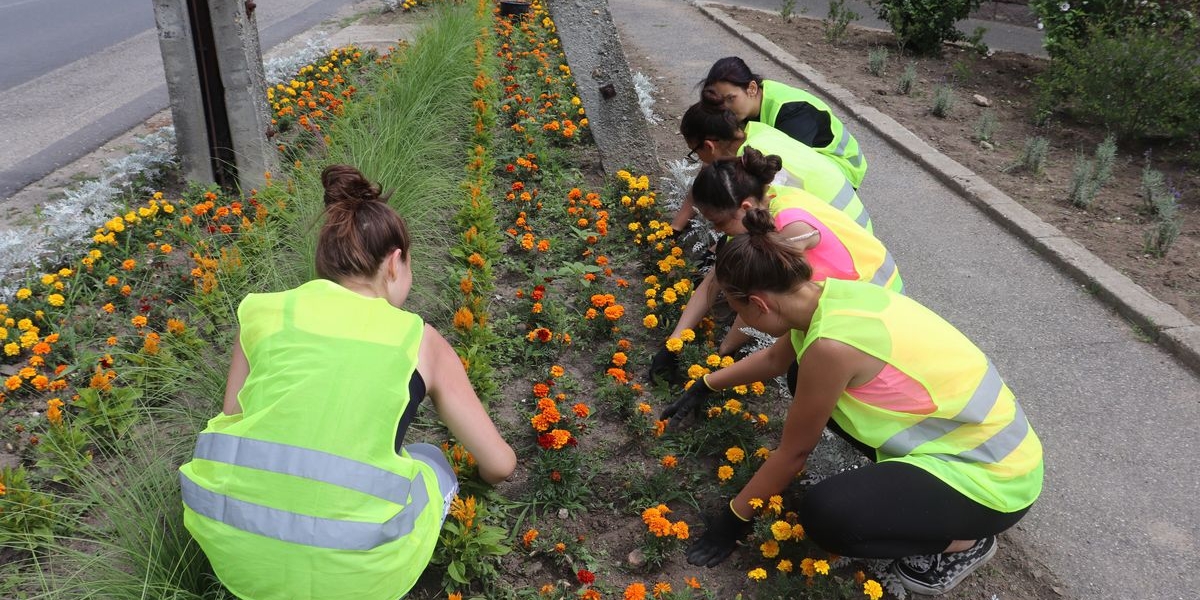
{"x": 686, "y": 210}
{"x": 460, "y": 409}
{"x": 825, "y": 371}
{"x": 239, "y": 368}
{"x": 759, "y": 366}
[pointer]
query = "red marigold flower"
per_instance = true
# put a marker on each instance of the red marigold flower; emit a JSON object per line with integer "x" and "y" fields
{"x": 586, "y": 577}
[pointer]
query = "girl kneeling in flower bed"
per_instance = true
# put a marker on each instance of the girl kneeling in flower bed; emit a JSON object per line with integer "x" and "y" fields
{"x": 956, "y": 460}
{"x": 834, "y": 245}
{"x": 302, "y": 488}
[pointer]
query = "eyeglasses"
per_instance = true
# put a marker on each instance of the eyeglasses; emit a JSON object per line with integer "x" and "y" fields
{"x": 693, "y": 157}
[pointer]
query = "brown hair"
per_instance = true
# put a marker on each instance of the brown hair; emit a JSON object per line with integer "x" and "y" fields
{"x": 360, "y": 229}
{"x": 723, "y": 184}
{"x": 731, "y": 70}
{"x": 702, "y": 122}
{"x": 760, "y": 261}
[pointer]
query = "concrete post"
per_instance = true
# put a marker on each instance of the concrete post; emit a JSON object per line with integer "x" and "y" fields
{"x": 187, "y": 109}
{"x": 236, "y": 32}
{"x": 214, "y": 74}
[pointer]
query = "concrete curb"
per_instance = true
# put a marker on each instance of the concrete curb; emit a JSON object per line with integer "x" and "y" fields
{"x": 1160, "y": 321}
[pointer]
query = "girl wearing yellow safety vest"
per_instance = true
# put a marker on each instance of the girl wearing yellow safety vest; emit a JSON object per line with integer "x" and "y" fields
{"x": 716, "y": 133}
{"x": 956, "y": 461}
{"x": 302, "y": 487}
{"x": 731, "y": 85}
{"x": 834, "y": 245}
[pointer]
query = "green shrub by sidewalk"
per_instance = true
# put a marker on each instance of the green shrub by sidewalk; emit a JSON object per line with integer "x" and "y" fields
{"x": 921, "y": 26}
{"x": 1139, "y": 83}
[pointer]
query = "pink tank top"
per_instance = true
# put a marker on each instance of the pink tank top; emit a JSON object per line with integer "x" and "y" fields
{"x": 829, "y": 258}
{"x": 893, "y": 390}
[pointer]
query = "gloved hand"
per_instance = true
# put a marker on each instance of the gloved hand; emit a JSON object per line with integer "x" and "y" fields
{"x": 665, "y": 367}
{"x": 680, "y": 409}
{"x": 722, "y": 532}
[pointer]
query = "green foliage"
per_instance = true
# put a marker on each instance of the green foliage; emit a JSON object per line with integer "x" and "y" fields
{"x": 110, "y": 412}
{"x": 787, "y": 8}
{"x": 1138, "y": 83}
{"x": 877, "y": 61}
{"x": 1033, "y": 156}
{"x": 837, "y": 21}
{"x": 985, "y": 127}
{"x": 1161, "y": 202}
{"x": 921, "y": 26}
{"x": 943, "y": 101}
{"x": 1067, "y": 23}
{"x": 27, "y": 516}
{"x": 63, "y": 452}
{"x": 909, "y": 77}
{"x": 468, "y": 547}
{"x": 1088, "y": 176}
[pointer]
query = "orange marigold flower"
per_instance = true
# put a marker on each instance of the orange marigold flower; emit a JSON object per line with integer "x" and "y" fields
{"x": 692, "y": 582}
{"x": 581, "y": 410}
{"x": 138, "y": 321}
{"x": 541, "y": 390}
{"x": 635, "y": 591}
{"x": 476, "y": 260}
{"x": 669, "y": 461}
{"x": 556, "y": 371}
{"x": 175, "y": 326}
{"x": 464, "y": 319}
{"x": 613, "y": 312}
{"x": 128, "y": 264}
{"x": 661, "y": 588}
{"x": 529, "y": 536}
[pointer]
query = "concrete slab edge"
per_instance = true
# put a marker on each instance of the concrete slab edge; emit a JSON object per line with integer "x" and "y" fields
{"x": 1153, "y": 317}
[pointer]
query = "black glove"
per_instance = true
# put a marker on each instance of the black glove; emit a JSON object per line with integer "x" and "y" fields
{"x": 665, "y": 367}
{"x": 680, "y": 409}
{"x": 722, "y": 532}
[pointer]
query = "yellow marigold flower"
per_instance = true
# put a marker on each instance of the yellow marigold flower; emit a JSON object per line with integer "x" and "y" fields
{"x": 758, "y": 574}
{"x": 680, "y": 530}
{"x": 49, "y": 278}
{"x": 784, "y": 566}
{"x": 650, "y": 321}
{"x": 696, "y": 372}
{"x": 757, "y": 388}
{"x": 735, "y": 455}
{"x": 770, "y": 549}
{"x": 776, "y": 503}
{"x": 644, "y": 408}
{"x": 733, "y": 406}
{"x": 65, "y": 272}
{"x": 651, "y": 280}
{"x": 740, "y": 390}
{"x": 24, "y": 293}
{"x": 674, "y": 344}
{"x": 12, "y": 349}
{"x": 806, "y": 567}
{"x": 756, "y": 503}
{"x": 109, "y": 308}
{"x": 713, "y": 411}
{"x": 797, "y": 532}
{"x": 872, "y": 589}
{"x": 713, "y": 360}
{"x": 726, "y": 361}
{"x": 687, "y": 335}
{"x": 3, "y": 333}
{"x": 55, "y": 300}
{"x": 668, "y": 296}
{"x": 724, "y": 472}
{"x": 782, "y": 530}
{"x": 821, "y": 567}
{"x": 651, "y": 304}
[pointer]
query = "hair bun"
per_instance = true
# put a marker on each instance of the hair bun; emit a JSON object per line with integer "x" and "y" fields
{"x": 344, "y": 183}
{"x": 758, "y": 222}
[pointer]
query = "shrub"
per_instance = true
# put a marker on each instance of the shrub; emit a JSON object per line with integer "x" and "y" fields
{"x": 1089, "y": 176}
{"x": 907, "y": 79}
{"x": 985, "y": 127}
{"x": 921, "y": 26}
{"x": 1075, "y": 22}
{"x": 877, "y": 61}
{"x": 837, "y": 21}
{"x": 1139, "y": 83}
{"x": 1033, "y": 156}
{"x": 787, "y": 8}
{"x": 943, "y": 101}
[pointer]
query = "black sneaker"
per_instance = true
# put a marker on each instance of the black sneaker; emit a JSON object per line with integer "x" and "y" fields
{"x": 934, "y": 574}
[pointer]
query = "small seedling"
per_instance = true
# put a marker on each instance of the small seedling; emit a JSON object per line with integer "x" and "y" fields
{"x": 943, "y": 101}
{"x": 985, "y": 127}
{"x": 837, "y": 21}
{"x": 877, "y": 61}
{"x": 907, "y": 79}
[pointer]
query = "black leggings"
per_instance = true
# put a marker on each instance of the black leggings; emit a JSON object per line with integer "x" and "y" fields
{"x": 892, "y": 510}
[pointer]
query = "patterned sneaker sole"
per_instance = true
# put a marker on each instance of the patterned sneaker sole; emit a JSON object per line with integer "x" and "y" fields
{"x": 918, "y": 587}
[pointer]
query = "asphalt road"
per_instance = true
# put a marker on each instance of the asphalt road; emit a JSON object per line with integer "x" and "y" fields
{"x": 77, "y": 73}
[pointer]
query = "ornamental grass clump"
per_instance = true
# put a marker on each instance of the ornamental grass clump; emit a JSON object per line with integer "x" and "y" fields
{"x": 904, "y": 85}
{"x": 877, "y": 60}
{"x": 943, "y": 101}
{"x": 1033, "y": 157}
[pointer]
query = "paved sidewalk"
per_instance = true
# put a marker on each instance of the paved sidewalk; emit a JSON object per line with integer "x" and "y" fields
{"x": 1117, "y": 415}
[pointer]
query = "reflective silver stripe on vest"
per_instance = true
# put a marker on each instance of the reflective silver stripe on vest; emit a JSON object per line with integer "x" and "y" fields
{"x": 927, "y": 430}
{"x": 304, "y": 529}
{"x": 886, "y": 270}
{"x": 856, "y": 160}
{"x": 843, "y": 197}
{"x": 998, "y": 446}
{"x": 304, "y": 462}
{"x": 864, "y": 219}
{"x": 841, "y": 147}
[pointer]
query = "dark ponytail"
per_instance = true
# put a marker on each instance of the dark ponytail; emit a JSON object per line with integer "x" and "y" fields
{"x": 731, "y": 70}
{"x": 360, "y": 229}
{"x": 761, "y": 260}
{"x": 701, "y": 122}
{"x": 723, "y": 184}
